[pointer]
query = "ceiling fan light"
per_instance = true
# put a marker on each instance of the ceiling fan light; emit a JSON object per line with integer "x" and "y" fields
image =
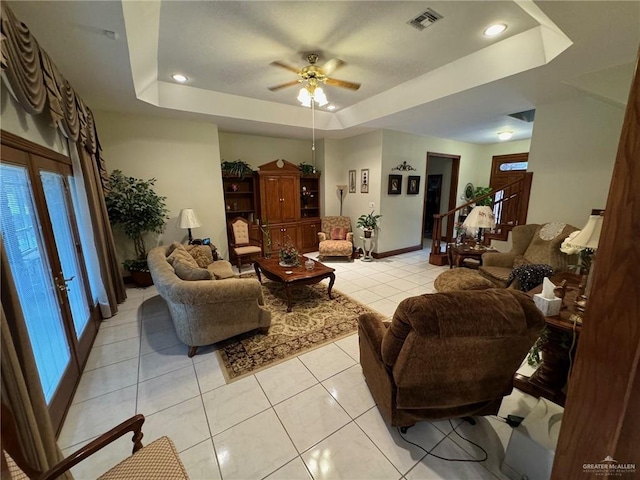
{"x": 304, "y": 97}
{"x": 495, "y": 29}
{"x": 506, "y": 135}
{"x": 320, "y": 97}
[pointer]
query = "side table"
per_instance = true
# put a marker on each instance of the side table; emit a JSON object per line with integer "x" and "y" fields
{"x": 367, "y": 245}
{"x": 551, "y": 376}
{"x": 457, "y": 253}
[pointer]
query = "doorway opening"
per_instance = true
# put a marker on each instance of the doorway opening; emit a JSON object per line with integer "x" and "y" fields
{"x": 440, "y": 196}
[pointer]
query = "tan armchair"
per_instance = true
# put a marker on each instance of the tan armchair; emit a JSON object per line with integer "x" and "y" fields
{"x": 447, "y": 355}
{"x": 157, "y": 461}
{"x": 533, "y": 244}
{"x": 242, "y": 246}
{"x": 335, "y": 237}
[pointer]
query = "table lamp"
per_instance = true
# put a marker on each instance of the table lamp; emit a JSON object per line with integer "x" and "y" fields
{"x": 479, "y": 218}
{"x": 188, "y": 219}
{"x": 588, "y": 238}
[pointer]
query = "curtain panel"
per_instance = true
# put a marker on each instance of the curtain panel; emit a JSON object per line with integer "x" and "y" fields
{"x": 36, "y": 83}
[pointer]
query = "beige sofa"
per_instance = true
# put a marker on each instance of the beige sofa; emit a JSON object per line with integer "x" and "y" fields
{"x": 206, "y": 311}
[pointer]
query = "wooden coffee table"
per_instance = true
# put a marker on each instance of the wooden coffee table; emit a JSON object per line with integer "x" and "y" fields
{"x": 299, "y": 275}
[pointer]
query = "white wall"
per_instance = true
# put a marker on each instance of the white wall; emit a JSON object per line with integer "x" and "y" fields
{"x": 257, "y": 150}
{"x": 362, "y": 152}
{"x": 36, "y": 128}
{"x": 403, "y": 213}
{"x": 573, "y": 150}
{"x": 184, "y": 158}
{"x": 333, "y": 174}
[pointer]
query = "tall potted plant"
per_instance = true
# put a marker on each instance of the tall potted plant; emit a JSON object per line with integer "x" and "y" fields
{"x": 368, "y": 223}
{"x": 137, "y": 210}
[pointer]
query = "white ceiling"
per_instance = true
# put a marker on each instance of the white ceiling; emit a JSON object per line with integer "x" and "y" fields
{"x": 447, "y": 81}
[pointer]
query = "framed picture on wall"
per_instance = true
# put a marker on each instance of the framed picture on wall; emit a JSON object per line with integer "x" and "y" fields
{"x": 352, "y": 181}
{"x": 413, "y": 187}
{"x": 364, "y": 180}
{"x": 395, "y": 185}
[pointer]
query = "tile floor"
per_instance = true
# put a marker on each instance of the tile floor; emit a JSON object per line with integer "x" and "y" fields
{"x": 311, "y": 417}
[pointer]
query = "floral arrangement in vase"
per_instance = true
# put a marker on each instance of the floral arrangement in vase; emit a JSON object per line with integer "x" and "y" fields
{"x": 585, "y": 255}
{"x": 306, "y": 196}
{"x": 289, "y": 255}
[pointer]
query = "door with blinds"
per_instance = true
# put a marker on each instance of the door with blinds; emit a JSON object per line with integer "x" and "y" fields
{"x": 40, "y": 237}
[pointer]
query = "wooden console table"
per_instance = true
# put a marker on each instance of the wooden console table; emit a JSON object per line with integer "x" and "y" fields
{"x": 550, "y": 377}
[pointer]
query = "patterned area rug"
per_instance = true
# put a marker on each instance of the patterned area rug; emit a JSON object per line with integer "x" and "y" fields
{"x": 314, "y": 321}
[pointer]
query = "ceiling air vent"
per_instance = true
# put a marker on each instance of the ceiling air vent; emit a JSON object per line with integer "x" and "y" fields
{"x": 526, "y": 116}
{"x": 425, "y": 19}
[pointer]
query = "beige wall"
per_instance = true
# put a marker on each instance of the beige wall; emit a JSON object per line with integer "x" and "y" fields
{"x": 184, "y": 158}
{"x": 36, "y": 128}
{"x": 573, "y": 150}
{"x": 258, "y": 150}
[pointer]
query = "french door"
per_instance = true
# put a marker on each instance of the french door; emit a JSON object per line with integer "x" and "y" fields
{"x": 41, "y": 240}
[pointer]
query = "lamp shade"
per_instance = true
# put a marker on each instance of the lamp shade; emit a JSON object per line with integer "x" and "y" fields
{"x": 480, "y": 217}
{"x": 589, "y": 236}
{"x": 188, "y": 219}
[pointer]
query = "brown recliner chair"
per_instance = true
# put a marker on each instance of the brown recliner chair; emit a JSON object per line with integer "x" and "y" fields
{"x": 447, "y": 355}
{"x": 531, "y": 244}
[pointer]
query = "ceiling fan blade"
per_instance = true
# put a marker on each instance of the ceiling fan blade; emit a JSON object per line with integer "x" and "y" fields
{"x": 342, "y": 83}
{"x": 284, "y": 85}
{"x": 285, "y": 66}
{"x": 332, "y": 65}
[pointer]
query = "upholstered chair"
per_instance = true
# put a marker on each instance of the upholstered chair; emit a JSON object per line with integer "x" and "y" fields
{"x": 447, "y": 355}
{"x": 242, "y": 246}
{"x": 335, "y": 237}
{"x": 531, "y": 244}
{"x": 158, "y": 460}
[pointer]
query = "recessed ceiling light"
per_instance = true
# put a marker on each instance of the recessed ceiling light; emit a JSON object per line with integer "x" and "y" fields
{"x": 506, "y": 135}
{"x": 178, "y": 77}
{"x": 495, "y": 29}
{"x": 331, "y": 107}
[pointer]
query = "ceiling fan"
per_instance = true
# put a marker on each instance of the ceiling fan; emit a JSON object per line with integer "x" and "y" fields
{"x": 313, "y": 74}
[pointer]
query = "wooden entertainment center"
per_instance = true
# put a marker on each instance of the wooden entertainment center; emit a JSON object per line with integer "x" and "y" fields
{"x": 282, "y": 195}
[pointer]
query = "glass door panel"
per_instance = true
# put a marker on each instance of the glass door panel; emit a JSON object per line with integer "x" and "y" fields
{"x": 24, "y": 244}
{"x": 71, "y": 275}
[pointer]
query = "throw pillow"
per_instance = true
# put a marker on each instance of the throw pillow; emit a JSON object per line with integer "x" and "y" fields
{"x": 201, "y": 254}
{"x": 182, "y": 254}
{"x": 172, "y": 247}
{"x": 185, "y": 271}
{"x": 338, "y": 233}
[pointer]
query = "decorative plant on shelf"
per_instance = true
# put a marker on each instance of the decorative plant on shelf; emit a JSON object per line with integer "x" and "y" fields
{"x": 137, "y": 210}
{"x": 238, "y": 168}
{"x": 478, "y": 192}
{"x": 307, "y": 169}
{"x": 289, "y": 254}
{"x": 368, "y": 223}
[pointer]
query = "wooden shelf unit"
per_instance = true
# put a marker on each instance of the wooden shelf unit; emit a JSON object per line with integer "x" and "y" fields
{"x": 240, "y": 196}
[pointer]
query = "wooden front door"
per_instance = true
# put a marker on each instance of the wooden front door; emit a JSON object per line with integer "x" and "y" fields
{"x": 510, "y": 203}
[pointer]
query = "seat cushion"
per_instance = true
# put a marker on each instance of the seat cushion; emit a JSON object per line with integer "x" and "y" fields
{"x": 498, "y": 275}
{"x": 157, "y": 461}
{"x": 461, "y": 279}
{"x": 247, "y": 250}
{"x": 335, "y": 248}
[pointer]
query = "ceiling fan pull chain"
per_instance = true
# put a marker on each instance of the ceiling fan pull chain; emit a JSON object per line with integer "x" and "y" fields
{"x": 313, "y": 134}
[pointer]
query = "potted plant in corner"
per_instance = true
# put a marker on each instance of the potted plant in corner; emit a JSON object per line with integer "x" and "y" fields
{"x": 237, "y": 168}
{"x": 137, "y": 210}
{"x": 368, "y": 223}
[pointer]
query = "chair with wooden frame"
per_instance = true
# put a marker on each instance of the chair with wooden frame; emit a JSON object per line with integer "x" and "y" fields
{"x": 157, "y": 461}
{"x": 242, "y": 246}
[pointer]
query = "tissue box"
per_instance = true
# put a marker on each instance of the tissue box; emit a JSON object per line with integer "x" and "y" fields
{"x": 546, "y": 306}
